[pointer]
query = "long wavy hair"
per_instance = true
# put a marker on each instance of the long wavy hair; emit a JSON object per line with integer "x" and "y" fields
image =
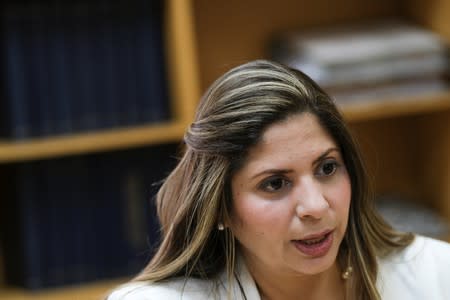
{"x": 196, "y": 196}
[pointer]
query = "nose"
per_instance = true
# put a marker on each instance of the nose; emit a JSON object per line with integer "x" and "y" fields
{"x": 311, "y": 202}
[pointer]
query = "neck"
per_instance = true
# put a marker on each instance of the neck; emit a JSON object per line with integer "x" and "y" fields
{"x": 324, "y": 286}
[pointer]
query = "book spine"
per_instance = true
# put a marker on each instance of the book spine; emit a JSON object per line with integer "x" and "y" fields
{"x": 38, "y": 79}
{"x": 104, "y": 72}
{"x": 61, "y": 94}
{"x": 16, "y": 123}
{"x": 82, "y": 68}
{"x": 32, "y": 235}
{"x": 151, "y": 76}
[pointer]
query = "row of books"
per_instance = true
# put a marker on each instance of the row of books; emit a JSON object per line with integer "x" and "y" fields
{"x": 82, "y": 219}
{"x": 71, "y": 66}
{"x": 363, "y": 61}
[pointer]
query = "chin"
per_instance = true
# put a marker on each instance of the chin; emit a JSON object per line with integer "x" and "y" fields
{"x": 316, "y": 265}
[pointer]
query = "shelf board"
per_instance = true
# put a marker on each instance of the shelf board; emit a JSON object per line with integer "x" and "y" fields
{"x": 123, "y": 138}
{"x": 114, "y": 139}
{"x": 395, "y": 107}
{"x": 89, "y": 291}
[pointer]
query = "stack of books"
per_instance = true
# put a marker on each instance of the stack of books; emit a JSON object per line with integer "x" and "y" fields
{"x": 379, "y": 59}
{"x": 406, "y": 215}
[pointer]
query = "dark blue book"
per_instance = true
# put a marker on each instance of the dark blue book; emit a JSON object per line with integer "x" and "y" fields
{"x": 37, "y": 75}
{"x": 97, "y": 183}
{"x": 103, "y": 41}
{"x": 105, "y": 216}
{"x": 24, "y": 232}
{"x": 54, "y": 244}
{"x": 125, "y": 68}
{"x": 81, "y": 68}
{"x": 153, "y": 99}
{"x": 60, "y": 88}
{"x": 80, "y": 220}
{"x": 15, "y": 115}
{"x": 72, "y": 265}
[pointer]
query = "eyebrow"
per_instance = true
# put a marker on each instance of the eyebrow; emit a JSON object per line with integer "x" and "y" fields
{"x": 285, "y": 171}
{"x": 325, "y": 154}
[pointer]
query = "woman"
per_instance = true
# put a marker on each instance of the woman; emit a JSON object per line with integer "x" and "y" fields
{"x": 271, "y": 201}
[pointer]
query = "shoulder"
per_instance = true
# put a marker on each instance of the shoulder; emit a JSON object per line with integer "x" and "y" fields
{"x": 421, "y": 269}
{"x": 241, "y": 287}
{"x": 422, "y": 251}
{"x": 177, "y": 288}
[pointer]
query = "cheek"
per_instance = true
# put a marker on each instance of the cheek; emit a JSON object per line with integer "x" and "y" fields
{"x": 254, "y": 217}
{"x": 247, "y": 212}
{"x": 345, "y": 192}
{"x": 342, "y": 196}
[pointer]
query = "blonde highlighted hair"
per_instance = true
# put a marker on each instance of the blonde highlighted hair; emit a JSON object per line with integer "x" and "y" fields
{"x": 196, "y": 196}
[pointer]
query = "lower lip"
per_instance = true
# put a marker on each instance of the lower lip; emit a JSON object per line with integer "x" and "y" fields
{"x": 318, "y": 249}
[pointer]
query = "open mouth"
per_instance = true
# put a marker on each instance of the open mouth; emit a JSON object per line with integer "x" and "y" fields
{"x": 317, "y": 246}
{"x": 314, "y": 241}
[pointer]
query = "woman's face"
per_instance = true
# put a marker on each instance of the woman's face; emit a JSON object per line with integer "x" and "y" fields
{"x": 291, "y": 199}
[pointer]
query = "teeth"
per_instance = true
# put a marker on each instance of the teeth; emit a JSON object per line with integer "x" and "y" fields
{"x": 313, "y": 241}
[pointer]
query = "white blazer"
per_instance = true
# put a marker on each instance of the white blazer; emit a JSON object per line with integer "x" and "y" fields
{"x": 421, "y": 271}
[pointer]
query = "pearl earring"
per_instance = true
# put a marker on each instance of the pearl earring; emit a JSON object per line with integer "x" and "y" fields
{"x": 220, "y": 226}
{"x": 348, "y": 272}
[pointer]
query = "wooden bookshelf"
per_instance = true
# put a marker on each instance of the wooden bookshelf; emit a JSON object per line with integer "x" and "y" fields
{"x": 184, "y": 94}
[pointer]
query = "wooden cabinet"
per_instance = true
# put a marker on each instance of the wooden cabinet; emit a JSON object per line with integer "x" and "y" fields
{"x": 406, "y": 141}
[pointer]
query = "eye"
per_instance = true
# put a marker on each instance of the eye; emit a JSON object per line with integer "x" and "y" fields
{"x": 327, "y": 168}
{"x": 274, "y": 184}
